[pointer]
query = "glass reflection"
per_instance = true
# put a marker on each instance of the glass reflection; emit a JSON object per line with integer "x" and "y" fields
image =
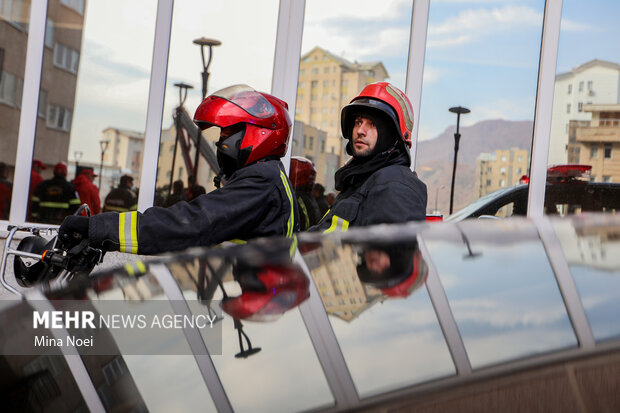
{"x": 92, "y": 105}
{"x": 258, "y": 288}
{"x": 482, "y": 56}
{"x": 585, "y": 126}
{"x": 208, "y": 53}
{"x": 501, "y": 289}
{"x": 593, "y": 254}
{"x": 372, "y": 291}
{"x": 14, "y": 20}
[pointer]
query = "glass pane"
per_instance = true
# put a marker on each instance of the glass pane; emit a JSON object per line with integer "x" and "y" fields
{"x": 346, "y": 45}
{"x": 92, "y": 108}
{"x": 585, "y": 126}
{"x": 14, "y": 17}
{"x": 591, "y": 249}
{"x": 482, "y": 57}
{"x": 239, "y": 53}
{"x": 374, "y": 295}
{"x": 501, "y": 289}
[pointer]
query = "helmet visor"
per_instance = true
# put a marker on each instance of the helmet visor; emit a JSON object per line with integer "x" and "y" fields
{"x": 247, "y": 99}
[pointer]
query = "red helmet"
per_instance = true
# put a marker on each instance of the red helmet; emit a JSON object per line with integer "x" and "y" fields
{"x": 60, "y": 169}
{"x": 303, "y": 172}
{"x": 263, "y": 121}
{"x": 385, "y": 98}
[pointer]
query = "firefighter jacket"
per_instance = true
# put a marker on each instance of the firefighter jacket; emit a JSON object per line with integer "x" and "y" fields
{"x": 121, "y": 199}
{"x": 53, "y": 200}
{"x": 88, "y": 192}
{"x": 309, "y": 213}
{"x": 256, "y": 201}
{"x": 5, "y": 198}
{"x": 392, "y": 194}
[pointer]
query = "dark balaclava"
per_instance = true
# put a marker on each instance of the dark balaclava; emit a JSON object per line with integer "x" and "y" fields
{"x": 386, "y": 132}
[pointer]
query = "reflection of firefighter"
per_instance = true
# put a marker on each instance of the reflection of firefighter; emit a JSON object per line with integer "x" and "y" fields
{"x": 87, "y": 190}
{"x": 55, "y": 198}
{"x": 303, "y": 175}
{"x": 396, "y": 270}
{"x": 255, "y": 200}
{"x": 122, "y": 198}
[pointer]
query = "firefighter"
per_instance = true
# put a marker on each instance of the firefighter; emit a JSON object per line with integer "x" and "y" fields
{"x": 254, "y": 197}
{"x": 87, "y": 190}
{"x": 303, "y": 175}
{"x": 122, "y": 198}
{"x": 377, "y": 185}
{"x": 55, "y": 198}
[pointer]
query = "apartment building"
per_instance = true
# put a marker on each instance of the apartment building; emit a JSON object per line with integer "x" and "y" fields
{"x": 311, "y": 143}
{"x": 500, "y": 169}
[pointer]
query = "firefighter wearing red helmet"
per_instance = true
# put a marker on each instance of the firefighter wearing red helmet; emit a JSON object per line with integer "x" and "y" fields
{"x": 376, "y": 185}
{"x": 55, "y": 198}
{"x": 302, "y": 175}
{"x": 256, "y": 198}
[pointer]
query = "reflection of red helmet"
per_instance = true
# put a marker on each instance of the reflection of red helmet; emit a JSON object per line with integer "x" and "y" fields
{"x": 303, "y": 172}
{"x": 414, "y": 281}
{"x": 385, "y": 98}
{"x": 263, "y": 118}
{"x": 271, "y": 292}
{"x": 60, "y": 169}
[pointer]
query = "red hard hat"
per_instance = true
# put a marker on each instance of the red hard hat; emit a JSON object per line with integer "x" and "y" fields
{"x": 385, "y": 98}
{"x": 302, "y": 173}
{"x": 265, "y": 118}
{"x": 60, "y": 169}
{"x": 38, "y": 163}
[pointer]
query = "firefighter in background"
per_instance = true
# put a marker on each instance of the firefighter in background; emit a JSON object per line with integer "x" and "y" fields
{"x": 6, "y": 189}
{"x": 302, "y": 175}
{"x": 377, "y": 185}
{"x": 35, "y": 180}
{"x": 55, "y": 198}
{"x": 318, "y": 191}
{"x": 87, "y": 190}
{"x": 122, "y": 198}
{"x": 254, "y": 197}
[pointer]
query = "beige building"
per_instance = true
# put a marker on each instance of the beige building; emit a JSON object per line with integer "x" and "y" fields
{"x": 597, "y": 142}
{"x": 124, "y": 151}
{"x": 327, "y": 83}
{"x": 61, "y": 55}
{"x": 500, "y": 169}
{"x": 311, "y": 143}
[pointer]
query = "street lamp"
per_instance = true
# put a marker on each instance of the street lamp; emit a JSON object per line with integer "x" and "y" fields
{"x": 183, "y": 88}
{"x": 202, "y": 42}
{"x": 104, "y": 146}
{"x": 77, "y": 155}
{"x": 459, "y": 110}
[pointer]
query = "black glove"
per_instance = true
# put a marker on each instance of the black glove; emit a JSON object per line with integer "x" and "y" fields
{"x": 72, "y": 231}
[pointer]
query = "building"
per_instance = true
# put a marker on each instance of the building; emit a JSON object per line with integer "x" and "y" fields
{"x": 123, "y": 151}
{"x": 327, "y": 83}
{"x": 311, "y": 143}
{"x": 597, "y": 142}
{"x": 500, "y": 169}
{"x": 594, "y": 82}
{"x": 61, "y": 58}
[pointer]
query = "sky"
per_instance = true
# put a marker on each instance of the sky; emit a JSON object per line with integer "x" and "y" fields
{"x": 482, "y": 54}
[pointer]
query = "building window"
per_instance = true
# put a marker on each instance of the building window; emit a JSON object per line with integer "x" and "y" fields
{"x": 314, "y": 84}
{"x": 570, "y": 89}
{"x": 593, "y": 151}
{"x": 310, "y": 142}
{"x": 502, "y": 170}
{"x": 580, "y": 107}
{"x": 42, "y": 103}
{"x": 77, "y": 5}
{"x": 590, "y": 85}
{"x": 568, "y": 108}
{"x": 488, "y": 182}
{"x": 8, "y": 85}
{"x": 49, "y": 34}
{"x": 322, "y": 146}
{"x": 581, "y": 86}
{"x": 66, "y": 58}
{"x": 502, "y": 183}
{"x": 15, "y": 12}
{"x": 606, "y": 178}
{"x": 607, "y": 151}
{"x": 58, "y": 117}
{"x": 326, "y": 70}
{"x": 315, "y": 71}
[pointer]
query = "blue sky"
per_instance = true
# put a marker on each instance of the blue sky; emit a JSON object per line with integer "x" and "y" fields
{"x": 482, "y": 54}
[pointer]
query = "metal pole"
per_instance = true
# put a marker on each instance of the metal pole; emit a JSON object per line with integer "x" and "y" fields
{"x": 457, "y": 137}
{"x": 104, "y": 147}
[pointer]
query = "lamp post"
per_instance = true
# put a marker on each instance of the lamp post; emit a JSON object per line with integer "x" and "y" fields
{"x": 77, "y": 155}
{"x": 459, "y": 110}
{"x": 203, "y": 42}
{"x": 183, "y": 88}
{"x": 104, "y": 146}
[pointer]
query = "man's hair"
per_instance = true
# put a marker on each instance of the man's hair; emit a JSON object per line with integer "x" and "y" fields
{"x": 126, "y": 179}
{"x": 319, "y": 188}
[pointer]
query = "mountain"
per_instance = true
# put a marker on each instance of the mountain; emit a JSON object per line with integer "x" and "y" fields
{"x": 435, "y": 158}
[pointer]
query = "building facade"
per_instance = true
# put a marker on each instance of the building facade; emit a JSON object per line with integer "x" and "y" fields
{"x": 500, "y": 169}
{"x": 594, "y": 82}
{"x": 327, "y": 83}
{"x": 311, "y": 143}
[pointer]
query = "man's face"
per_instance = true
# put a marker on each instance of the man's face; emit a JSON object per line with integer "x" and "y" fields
{"x": 364, "y": 137}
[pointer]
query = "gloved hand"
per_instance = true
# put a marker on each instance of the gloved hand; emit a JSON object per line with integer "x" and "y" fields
{"x": 73, "y": 230}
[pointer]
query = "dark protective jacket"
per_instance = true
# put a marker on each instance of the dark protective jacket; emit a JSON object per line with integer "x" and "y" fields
{"x": 309, "y": 213}
{"x": 392, "y": 194}
{"x": 121, "y": 199}
{"x": 256, "y": 201}
{"x": 54, "y": 199}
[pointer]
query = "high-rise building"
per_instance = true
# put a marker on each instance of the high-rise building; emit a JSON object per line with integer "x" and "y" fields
{"x": 327, "y": 83}
{"x": 500, "y": 169}
{"x": 594, "y": 82}
{"x": 597, "y": 142}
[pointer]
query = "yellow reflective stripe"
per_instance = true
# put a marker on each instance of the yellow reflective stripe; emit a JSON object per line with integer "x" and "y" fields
{"x": 138, "y": 265}
{"x": 128, "y": 232}
{"x": 35, "y": 198}
{"x": 74, "y": 201}
{"x": 238, "y": 241}
{"x": 324, "y": 215}
{"x": 302, "y": 205}
{"x": 129, "y": 269}
{"x": 291, "y": 220}
{"x": 334, "y": 225}
{"x": 293, "y": 246}
{"x": 64, "y": 205}
{"x": 133, "y": 207}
